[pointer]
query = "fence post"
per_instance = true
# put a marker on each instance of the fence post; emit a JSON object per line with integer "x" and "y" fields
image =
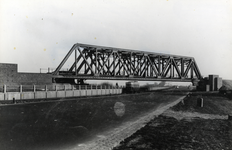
{"x": 86, "y": 90}
{"x": 106, "y": 90}
{"x": 4, "y": 88}
{"x": 200, "y": 102}
{"x": 110, "y": 89}
{"x": 21, "y": 90}
{"x": 34, "y": 90}
{"x": 79, "y": 88}
{"x": 4, "y": 91}
{"x": 46, "y": 89}
{"x": 56, "y": 90}
{"x": 73, "y": 90}
{"x": 64, "y": 91}
{"x": 91, "y": 89}
{"x": 96, "y": 91}
{"x": 101, "y": 89}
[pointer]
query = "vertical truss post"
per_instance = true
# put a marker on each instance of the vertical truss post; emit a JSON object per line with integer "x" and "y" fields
{"x": 147, "y": 69}
{"x": 171, "y": 67}
{"x": 108, "y": 67}
{"x": 114, "y": 63}
{"x": 123, "y": 67}
{"x": 130, "y": 63}
{"x": 182, "y": 67}
{"x": 159, "y": 65}
{"x": 151, "y": 70}
{"x": 134, "y": 64}
{"x": 75, "y": 61}
{"x": 85, "y": 54}
{"x": 163, "y": 61}
{"x": 140, "y": 65}
{"x": 96, "y": 64}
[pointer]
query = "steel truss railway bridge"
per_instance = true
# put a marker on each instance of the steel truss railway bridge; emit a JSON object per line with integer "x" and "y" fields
{"x": 108, "y": 63}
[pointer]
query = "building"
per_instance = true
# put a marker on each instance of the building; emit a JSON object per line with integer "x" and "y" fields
{"x": 9, "y": 75}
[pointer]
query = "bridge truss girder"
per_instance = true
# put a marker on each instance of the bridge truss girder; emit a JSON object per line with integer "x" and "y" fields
{"x": 98, "y": 62}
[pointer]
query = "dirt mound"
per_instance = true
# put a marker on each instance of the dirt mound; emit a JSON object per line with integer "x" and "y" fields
{"x": 227, "y": 83}
{"x": 214, "y": 104}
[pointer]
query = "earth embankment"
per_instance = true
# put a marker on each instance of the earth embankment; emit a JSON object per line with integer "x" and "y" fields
{"x": 187, "y": 126}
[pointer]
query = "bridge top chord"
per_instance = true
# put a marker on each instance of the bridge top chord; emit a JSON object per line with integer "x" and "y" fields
{"x": 108, "y": 49}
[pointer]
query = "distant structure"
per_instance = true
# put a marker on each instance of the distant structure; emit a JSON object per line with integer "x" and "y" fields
{"x": 210, "y": 83}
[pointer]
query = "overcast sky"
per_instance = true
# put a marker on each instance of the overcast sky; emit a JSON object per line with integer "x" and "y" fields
{"x": 38, "y": 34}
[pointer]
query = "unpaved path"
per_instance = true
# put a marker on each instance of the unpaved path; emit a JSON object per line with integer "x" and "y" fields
{"x": 113, "y": 138}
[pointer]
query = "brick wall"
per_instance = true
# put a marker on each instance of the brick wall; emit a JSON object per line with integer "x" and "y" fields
{"x": 9, "y": 75}
{"x": 34, "y": 78}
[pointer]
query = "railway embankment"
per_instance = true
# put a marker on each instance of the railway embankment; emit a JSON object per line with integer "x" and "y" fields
{"x": 187, "y": 125}
{"x": 79, "y": 123}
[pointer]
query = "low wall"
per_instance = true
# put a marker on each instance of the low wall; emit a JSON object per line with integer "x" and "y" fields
{"x": 57, "y": 94}
{"x": 28, "y": 95}
{"x": 11, "y": 95}
{"x": 2, "y": 96}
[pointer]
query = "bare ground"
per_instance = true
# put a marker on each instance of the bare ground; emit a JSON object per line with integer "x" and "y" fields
{"x": 187, "y": 126}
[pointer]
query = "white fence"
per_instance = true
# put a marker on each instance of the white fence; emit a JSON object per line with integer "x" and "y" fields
{"x": 58, "y": 93}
